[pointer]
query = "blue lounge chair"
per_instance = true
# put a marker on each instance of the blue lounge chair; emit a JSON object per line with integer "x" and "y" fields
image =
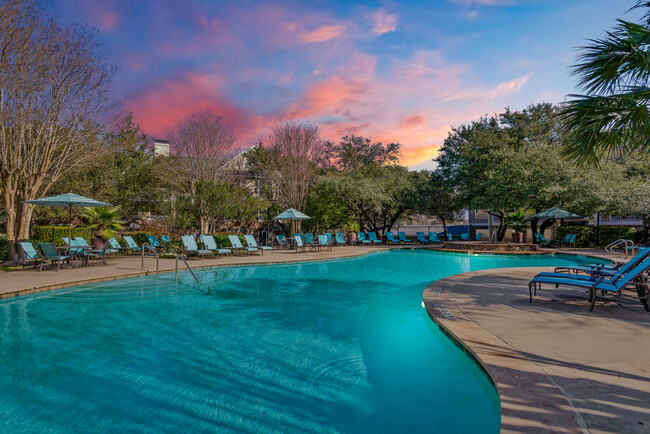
{"x": 421, "y": 238}
{"x": 607, "y": 270}
{"x": 433, "y": 237}
{"x": 165, "y": 238}
{"x": 189, "y": 243}
{"x": 323, "y": 242}
{"x": 340, "y": 239}
{"x": 282, "y": 241}
{"x": 309, "y": 239}
{"x": 131, "y": 243}
{"x": 402, "y": 237}
{"x": 571, "y": 241}
{"x": 464, "y": 236}
{"x": 449, "y": 236}
{"x": 299, "y": 243}
{"x": 250, "y": 241}
{"x": 362, "y": 238}
{"x": 114, "y": 246}
{"x": 98, "y": 253}
{"x": 478, "y": 236}
{"x": 390, "y": 238}
{"x": 74, "y": 242}
{"x": 329, "y": 237}
{"x": 29, "y": 253}
{"x": 210, "y": 244}
{"x": 238, "y": 246}
{"x": 541, "y": 239}
{"x": 373, "y": 238}
{"x": 50, "y": 253}
{"x": 602, "y": 283}
{"x": 153, "y": 241}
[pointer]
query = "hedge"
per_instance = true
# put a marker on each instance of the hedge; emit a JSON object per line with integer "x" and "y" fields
{"x": 54, "y": 234}
{"x": 587, "y": 236}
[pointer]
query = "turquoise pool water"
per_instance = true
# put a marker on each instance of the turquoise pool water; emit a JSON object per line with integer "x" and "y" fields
{"x": 339, "y": 346}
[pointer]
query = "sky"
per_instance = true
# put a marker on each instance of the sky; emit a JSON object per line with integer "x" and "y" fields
{"x": 404, "y": 71}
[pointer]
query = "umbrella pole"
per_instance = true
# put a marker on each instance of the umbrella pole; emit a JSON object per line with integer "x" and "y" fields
{"x": 70, "y": 222}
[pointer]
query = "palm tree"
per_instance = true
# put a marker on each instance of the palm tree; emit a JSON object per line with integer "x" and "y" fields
{"x": 613, "y": 114}
{"x": 104, "y": 220}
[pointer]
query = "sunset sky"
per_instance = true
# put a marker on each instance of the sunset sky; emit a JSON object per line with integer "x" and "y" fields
{"x": 392, "y": 71}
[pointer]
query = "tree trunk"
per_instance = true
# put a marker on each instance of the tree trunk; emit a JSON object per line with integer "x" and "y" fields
{"x": 444, "y": 227}
{"x": 533, "y": 227}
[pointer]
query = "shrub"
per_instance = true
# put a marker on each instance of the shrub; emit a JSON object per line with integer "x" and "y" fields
{"x": 221, "y": 238}
{"x": 587, "y": 236}
{"x": 54, "y": 234}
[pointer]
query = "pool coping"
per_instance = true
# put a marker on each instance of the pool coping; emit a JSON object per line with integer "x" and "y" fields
{"x": 491, "y": 353}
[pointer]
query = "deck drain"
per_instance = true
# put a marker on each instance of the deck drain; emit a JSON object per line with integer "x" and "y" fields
{"x": 443, "y": 310}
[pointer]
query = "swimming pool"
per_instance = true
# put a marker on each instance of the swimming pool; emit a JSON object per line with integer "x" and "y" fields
{"x": 336, "y": 346}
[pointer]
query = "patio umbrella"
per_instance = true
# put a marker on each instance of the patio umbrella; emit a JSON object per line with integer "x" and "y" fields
{"x": 69, "y": 200}
{"x": 555, "y": 213}
{"x": 291, "y": 214}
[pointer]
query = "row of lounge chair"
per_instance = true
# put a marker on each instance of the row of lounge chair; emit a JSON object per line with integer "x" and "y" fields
{"x": 568, "y": 240}
{"x": 49, "y": 252}
{"x": 607, "y": 278}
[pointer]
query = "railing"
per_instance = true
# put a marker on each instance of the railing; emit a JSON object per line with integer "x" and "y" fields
{"x": 182, "y": 258}
{"x": 627, "y": 244}
{"x": 152, "y": 250}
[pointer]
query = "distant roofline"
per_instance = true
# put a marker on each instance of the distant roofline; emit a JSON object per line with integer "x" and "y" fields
{"x": 161, "y": 141}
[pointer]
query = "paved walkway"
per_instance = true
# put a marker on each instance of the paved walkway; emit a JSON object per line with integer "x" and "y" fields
{"x": 557, "y": 366}
{"x": 29, "y": 281}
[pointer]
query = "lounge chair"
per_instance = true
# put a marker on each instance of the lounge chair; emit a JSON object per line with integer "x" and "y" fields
{"x": 153, "y": 241}
{"x": 192, "y": 249}
{"x": 541, "y": 239}
{"x": 613, "y": 285}
{"x": 449, "y": 236}
{"x": 421, "y": 238}
{"x": 340, "y": 239}
{"x": 433, "y": 237}
{"x": 29, "y": 253}
{"x": 390, "y": 238}
{"x": 165, "y": 238}
{"x": 76, "y": 242}
{"x": 464, "y": 236}
{"x": 569, "y": 240}
{"x": 115, "y": 247}
{"x": 478, "y": 236}
{"x": 600, "y": 269}
{"x": 98, "y": 253}
{"x": 238, "y": 246}
{"x": 373, "y": 238}
{"x": 250, "y": 241}
{"x": 309, "y": 239}
{"x": 402, "y": 237}
{"x": 50, "y": 253}
{"x": 362, "y": 238}
{"x": 131, "y": 243}
{"x": 299, "y": 243}
{"x": 282, "y": 241}
{"x": 329, "y": 237}
{"x": 210, "y": 244}
{"x": 323, "y": 242}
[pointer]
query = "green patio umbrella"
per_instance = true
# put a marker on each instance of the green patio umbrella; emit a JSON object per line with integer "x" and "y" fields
{"x": 69, "y": 200}
{"x": 555, "y": 213}
{"x": 292, "y": 215}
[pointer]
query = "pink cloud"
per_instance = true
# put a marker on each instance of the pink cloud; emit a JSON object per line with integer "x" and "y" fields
{"x": 322, "y": 34}
{"x": 383, "y": 22}
{"x": 159, "y": 106}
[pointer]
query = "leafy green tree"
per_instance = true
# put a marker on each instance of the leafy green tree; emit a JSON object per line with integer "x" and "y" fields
{"x": 355, "y": 152}
{"x": 435, "y": 197}
{"x": 613, "y": 114}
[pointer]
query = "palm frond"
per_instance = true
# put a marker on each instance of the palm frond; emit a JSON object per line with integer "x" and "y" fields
{"x": 597, "y": 125}
{"x": 619, "y": 60}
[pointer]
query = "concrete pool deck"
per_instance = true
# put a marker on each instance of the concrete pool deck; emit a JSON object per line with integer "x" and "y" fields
{"x": 557, "y": 366}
